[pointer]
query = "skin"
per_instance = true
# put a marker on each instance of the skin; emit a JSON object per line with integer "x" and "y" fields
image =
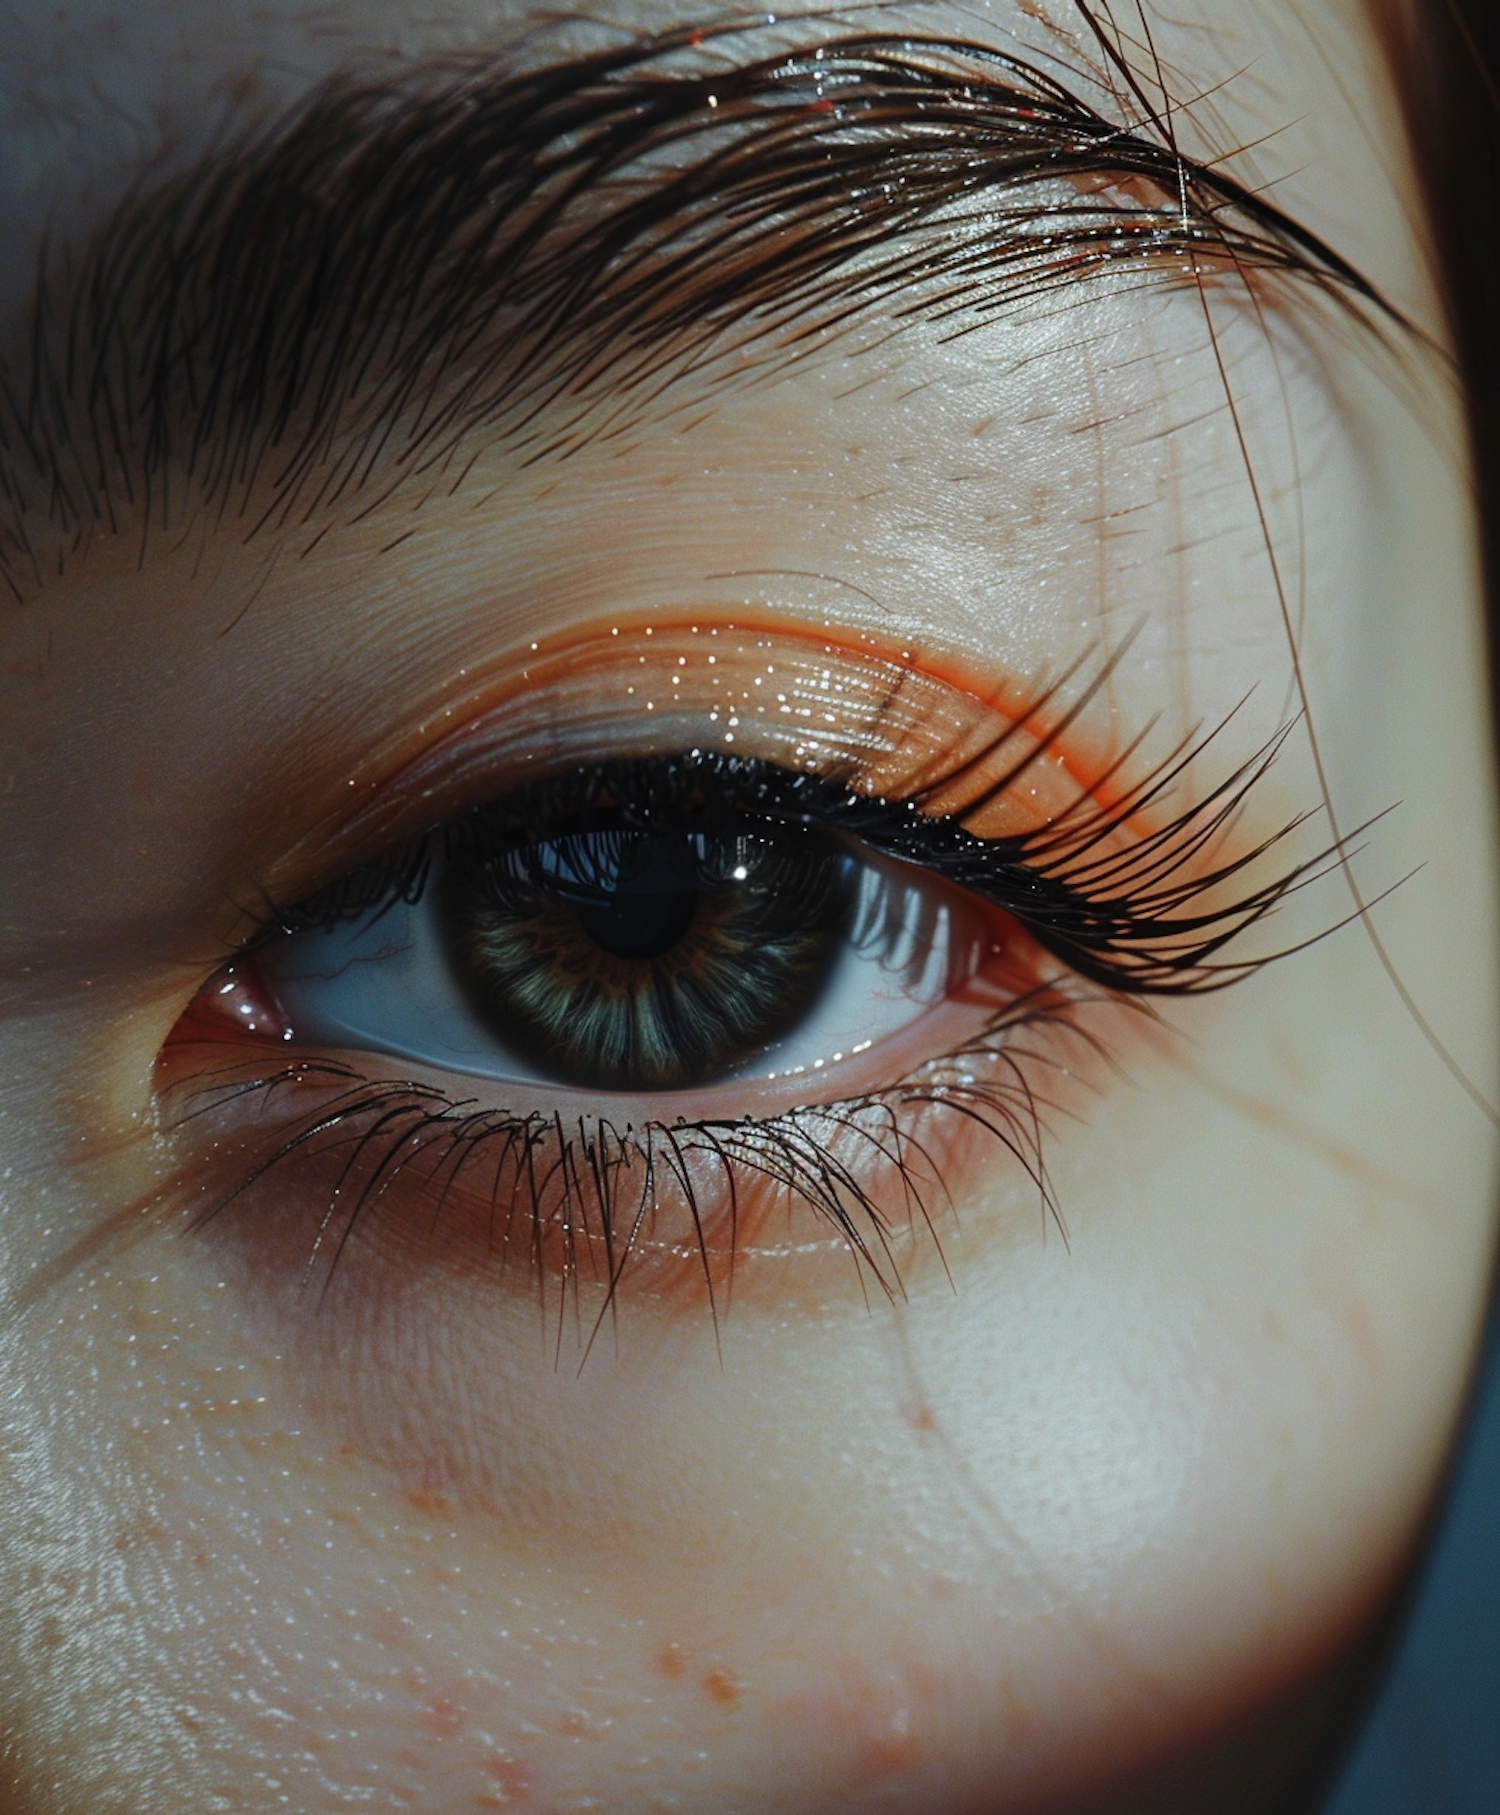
{"x": 1089, "y": 1524}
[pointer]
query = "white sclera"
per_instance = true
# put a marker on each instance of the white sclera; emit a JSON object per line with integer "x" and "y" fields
{"x": 383, "y": 983}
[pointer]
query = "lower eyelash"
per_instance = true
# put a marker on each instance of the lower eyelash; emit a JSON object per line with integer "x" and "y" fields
{"x": 588, "y": 1205}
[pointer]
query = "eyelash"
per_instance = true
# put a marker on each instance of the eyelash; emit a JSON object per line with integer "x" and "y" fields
{"x": 1120, "y": 922}
{"x": 1129, "y": 923}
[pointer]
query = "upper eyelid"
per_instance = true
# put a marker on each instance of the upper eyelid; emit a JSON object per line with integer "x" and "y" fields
{"x": 1155, "y": 925}
{"x": 314, "y": 310}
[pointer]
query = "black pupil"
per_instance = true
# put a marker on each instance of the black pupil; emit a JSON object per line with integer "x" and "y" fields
{"x": 639, "y": 921}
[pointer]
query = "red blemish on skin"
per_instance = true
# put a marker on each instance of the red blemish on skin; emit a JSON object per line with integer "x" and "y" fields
{"x": 442, "y": 1719}
{"x": 671, "y": 1662}
{"x": 921, "y": 1418}
{"x": 724, "y": 1687}
{"x": 384, "y": 1626}
{"x": 1019, "y": 1720}
{"x": 436, "y": 1506}
{"x": 887, "y": 1756}
{"x": 575, "y": 1723}
{"x": 512, "y": 1775}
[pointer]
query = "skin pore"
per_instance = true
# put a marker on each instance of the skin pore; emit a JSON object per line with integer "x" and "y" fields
{"x": 1084, "y": 1496}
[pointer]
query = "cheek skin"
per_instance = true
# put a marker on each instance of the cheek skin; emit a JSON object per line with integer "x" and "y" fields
{"x": 1169, "y": 1477}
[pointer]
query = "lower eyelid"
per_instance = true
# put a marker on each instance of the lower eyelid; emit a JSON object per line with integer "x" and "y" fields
{"x": 400, "y": 1176}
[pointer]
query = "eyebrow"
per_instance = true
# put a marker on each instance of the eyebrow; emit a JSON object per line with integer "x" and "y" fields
{"x": 360, "y": 294}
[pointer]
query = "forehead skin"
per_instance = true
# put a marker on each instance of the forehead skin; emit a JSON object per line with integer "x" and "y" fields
{"x": 1096, "y": 1529}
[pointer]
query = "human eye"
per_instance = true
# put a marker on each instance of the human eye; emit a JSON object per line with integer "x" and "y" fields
{"x": 842, "y": 937}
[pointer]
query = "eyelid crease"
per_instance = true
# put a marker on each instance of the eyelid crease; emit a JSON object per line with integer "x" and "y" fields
{"x": 519, "y": 255}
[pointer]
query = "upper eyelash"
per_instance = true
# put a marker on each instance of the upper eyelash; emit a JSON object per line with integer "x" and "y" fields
{"x": 1149, "y": 919}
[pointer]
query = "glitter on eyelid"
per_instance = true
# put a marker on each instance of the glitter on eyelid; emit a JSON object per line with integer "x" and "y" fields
{"x": 864, "y": 713}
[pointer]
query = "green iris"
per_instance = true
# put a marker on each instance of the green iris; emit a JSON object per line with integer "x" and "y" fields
{"x": 625, "y": 959}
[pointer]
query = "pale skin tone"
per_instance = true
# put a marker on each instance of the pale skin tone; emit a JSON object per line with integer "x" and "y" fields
{"x": 1070, "y": 1510}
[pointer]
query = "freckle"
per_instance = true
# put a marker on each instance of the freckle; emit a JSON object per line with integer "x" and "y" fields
{"x": 436, "y": 1506}
{"x": 920, "y": 1417}
{"x": 513, "y": 1775}
{"x": 888, "y": 1757}
{"x": 724, "y": 1687}
{"x": 670, "y": 1661}
{"x": 1019, "y": 1724}
{"x": 442, "y": 1719}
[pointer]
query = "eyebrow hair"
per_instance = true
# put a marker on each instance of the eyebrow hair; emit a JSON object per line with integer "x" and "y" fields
{"x": 339, "y": 302}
